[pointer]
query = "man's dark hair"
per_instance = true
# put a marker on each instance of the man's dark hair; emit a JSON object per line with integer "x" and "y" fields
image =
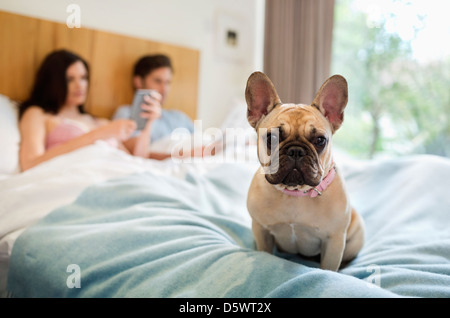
{"x": 148, "y": 63}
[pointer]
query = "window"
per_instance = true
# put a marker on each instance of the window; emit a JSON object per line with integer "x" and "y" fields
{"x": 395, "y": 55}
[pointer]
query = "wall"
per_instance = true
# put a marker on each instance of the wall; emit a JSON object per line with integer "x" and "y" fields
{"x": 190, "y": 23}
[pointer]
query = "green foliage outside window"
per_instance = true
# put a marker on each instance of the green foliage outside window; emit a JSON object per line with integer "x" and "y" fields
{"x": 398, "y": 105}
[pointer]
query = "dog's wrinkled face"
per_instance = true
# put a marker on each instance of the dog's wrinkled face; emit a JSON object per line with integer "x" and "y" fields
{"x": 293, "y": 145}
{"x": 294, "y": 141}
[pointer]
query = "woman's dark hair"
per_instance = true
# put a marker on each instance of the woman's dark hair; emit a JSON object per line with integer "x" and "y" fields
{"x": 50, "y": 86}
{"x": 148, "y": 63}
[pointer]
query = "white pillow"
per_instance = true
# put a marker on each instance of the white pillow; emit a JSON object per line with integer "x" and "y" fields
{"x": 237, "y": 116}
{"x": 9, "y": 136}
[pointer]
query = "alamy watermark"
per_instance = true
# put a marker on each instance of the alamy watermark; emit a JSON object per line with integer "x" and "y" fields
{"x": 74, "y": 279}
{"x": 374, "y": 279}
{"x": 225, "y": 145}
{"x": 74, "y": 18}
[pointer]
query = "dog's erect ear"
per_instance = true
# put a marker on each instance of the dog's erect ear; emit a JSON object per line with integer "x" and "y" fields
{"x": 331, "y": 100}
{"x": 261, "y": 97}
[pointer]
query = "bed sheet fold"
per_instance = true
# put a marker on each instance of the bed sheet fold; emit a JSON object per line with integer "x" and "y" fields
{"x": 153, "y": 235}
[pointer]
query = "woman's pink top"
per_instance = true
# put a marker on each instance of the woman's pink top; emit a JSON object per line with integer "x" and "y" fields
{"x": 67, "y": 130}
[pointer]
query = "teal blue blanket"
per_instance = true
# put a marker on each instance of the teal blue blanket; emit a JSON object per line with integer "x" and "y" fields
{"x": 148, "y": 235}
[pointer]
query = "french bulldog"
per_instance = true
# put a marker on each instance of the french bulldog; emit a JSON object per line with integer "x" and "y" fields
{"x": 297, "y": 198}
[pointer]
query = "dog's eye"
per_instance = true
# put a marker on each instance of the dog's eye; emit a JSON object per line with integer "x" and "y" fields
{"x": 272, "y": 140}
{"x": 320, "y": 142}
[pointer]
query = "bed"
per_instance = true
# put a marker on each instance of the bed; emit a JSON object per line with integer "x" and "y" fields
{"x": 100, "y": 223}
{"x": 97, "y": 222}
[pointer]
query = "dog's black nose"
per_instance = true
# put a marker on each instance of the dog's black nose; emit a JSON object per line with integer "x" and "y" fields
{"x": 296, "y": 152}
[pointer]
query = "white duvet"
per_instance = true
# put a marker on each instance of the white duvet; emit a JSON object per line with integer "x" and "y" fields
{"x": 407, "y": 234}
{"x": 27, "y": 197}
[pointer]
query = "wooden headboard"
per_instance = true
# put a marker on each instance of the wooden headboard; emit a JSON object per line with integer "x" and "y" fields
{"x": 25, "y": 41}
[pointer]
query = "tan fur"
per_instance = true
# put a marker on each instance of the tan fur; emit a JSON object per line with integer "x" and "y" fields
{"x": 325, "y": 225}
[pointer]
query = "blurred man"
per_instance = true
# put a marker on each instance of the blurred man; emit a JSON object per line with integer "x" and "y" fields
{"x": 155, "y": 72}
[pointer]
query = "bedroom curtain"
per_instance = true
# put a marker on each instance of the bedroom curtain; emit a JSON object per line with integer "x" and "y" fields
{"x": 297, "y": 50}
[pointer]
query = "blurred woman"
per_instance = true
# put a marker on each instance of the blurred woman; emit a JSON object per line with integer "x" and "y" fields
{"x": 53, "y": 120}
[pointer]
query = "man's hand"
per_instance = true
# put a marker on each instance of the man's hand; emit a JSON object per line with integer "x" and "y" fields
{"x": 151, "y": 108}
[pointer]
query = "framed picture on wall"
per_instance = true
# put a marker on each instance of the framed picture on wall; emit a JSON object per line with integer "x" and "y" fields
{"x": 230, "y": 36}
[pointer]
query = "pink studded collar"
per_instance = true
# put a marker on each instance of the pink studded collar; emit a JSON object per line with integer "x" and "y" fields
{"x": 316, "y": 191}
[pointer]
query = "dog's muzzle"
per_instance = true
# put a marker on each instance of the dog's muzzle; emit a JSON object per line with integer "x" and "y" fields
{"x": 297, "y": 167}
